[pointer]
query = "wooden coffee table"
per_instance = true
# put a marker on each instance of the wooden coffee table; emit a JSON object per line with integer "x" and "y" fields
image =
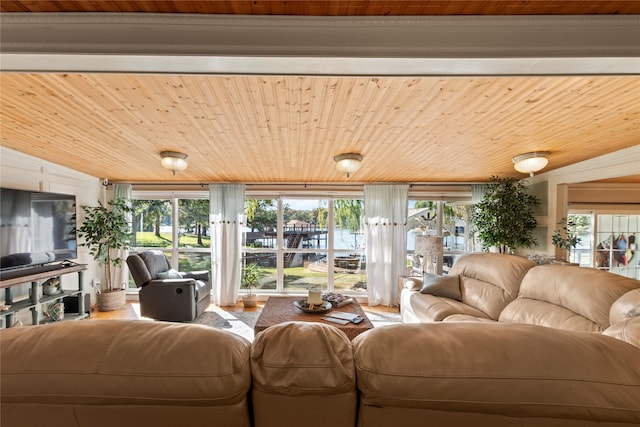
{"x": 281, "y": 309}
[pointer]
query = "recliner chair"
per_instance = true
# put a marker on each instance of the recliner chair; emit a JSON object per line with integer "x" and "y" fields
{"x": 166, "y": 294}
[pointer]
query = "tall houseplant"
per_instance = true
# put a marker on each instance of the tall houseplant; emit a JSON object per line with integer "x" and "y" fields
{"x": 504, "y": 217}
{"x": 106, "y": 233}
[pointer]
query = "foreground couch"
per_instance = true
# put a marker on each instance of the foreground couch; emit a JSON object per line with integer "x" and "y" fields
{"x": 143, "y": 373}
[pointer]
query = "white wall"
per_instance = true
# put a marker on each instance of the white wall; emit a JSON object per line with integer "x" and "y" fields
{"x": 559, "y": 181}
{"x": 24, "y": 172}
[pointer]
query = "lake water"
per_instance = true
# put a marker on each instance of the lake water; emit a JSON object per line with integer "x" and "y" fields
{"x": 346, "y": 239}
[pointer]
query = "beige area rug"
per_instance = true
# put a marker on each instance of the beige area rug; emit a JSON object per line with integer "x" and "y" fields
{"x": 240, "y": 323}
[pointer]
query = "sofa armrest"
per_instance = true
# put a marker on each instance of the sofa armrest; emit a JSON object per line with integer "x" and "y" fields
{"x": 170, "y": 299}
{"x": 198, "y": 275}
{"x": 170, "y": 282}
{"x": 412, "y": 283}
{"x": 625, "y": 307}
{"x": 627, "y": 331}
{"x": 303, "y": 374}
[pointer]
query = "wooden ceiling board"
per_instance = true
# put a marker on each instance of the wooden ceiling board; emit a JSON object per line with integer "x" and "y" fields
{"x": 288, "y": 129}
{"x": 332, "y": 8}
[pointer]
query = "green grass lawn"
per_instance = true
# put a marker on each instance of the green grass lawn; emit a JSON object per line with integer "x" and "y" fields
{"x": 148, "y": 239}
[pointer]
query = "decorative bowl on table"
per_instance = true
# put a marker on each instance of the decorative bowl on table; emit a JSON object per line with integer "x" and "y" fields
{"x": 304, "y": 305}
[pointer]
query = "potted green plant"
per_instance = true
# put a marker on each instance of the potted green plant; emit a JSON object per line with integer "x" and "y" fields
{"x": 106, "y": 233}
{"x": 250, "y": 280}
{"x": 567, "y": 236}
{"x": 504, "y": 217}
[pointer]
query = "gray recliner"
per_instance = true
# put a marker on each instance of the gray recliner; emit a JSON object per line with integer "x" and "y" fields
{"x": 166, "y": 294}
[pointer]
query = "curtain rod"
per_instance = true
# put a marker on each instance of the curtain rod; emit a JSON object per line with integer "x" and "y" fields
{"x": 300, "y": 184}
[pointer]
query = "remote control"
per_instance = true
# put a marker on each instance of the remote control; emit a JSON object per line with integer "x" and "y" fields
{"x": 335, "y": 320}
{"x": 357, "y": 320}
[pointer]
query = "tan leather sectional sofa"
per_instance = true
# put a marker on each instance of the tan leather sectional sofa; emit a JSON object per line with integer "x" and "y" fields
{"x": 488, "y": 373}
{"x": 511, "y": 289}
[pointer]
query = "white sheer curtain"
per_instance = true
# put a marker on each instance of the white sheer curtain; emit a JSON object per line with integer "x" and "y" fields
{"x": 121, "y": 274}
{"x": 385, "y": 208}
{"x": 227, "y": 220}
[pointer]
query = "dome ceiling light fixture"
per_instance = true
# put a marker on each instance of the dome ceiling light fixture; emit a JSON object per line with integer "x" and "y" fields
{"x": 174, "y": 161}
{"x": 349, "y": 162}
{"x": 531, "y": 162}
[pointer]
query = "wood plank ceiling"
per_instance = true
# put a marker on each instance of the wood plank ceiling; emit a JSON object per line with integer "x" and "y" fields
{"x": 332, "y": 7}
{"x": 288, "y": 129}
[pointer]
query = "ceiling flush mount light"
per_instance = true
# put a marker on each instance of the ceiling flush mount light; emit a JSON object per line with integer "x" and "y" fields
{"x": 348, "y": 163}
{"x": 173, "y": 161}
{"x": 531, "y": 162}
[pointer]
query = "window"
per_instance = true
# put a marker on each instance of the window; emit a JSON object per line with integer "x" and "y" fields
{"x": 607, "y": 241}
{"x": 616, "y": 246}
{"x": 423, "y": 220}
{"x": 301, "y": 241}
{"x": 177, "y": 226}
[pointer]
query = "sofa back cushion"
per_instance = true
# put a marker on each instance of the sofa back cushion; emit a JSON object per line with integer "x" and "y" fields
{"x": 303, "y": 374}
{"x": 146, "y": 266}
{"x": 489, "y": 281}
{"x": 432, "y": 373}
{"x": 156, "y": 262}
{"x": 124, "y": 372}
{"x": 567, "y": 297}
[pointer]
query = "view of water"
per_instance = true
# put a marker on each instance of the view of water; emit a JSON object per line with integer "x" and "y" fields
{"x": 346, "y": 239}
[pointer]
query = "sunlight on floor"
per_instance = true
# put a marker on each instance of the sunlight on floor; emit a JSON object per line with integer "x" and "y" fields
{"x": 241, "y": 321}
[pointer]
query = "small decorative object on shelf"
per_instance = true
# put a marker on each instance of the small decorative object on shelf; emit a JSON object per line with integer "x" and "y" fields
{"x": 51, "y": 286}
{"x": 337, "y": 300}
{"x": 55, "y": 311}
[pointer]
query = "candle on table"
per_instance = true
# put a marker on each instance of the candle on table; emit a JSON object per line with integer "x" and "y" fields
{"x": 315, "y": 294}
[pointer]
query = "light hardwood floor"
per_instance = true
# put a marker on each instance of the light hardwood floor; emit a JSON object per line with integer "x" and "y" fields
{"x": 129, "y": 312}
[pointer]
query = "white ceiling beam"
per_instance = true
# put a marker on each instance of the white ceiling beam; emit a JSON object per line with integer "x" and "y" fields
{"x": 292, "y": 45}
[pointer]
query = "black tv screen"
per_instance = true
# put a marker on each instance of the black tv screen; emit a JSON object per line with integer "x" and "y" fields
{"x": 36, "y": 228}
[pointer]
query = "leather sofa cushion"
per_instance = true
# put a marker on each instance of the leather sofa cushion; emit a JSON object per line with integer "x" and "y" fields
{"x": 124, "y": 362}
{"x": 418, "y": 307}
{"x": 156, "y": 262}
{"x": 489, "y": 281}
{"x": 509, "y": 370}
{"x": 303, "y": 375}
{"x": 169, "y": 274}
{"x": 466, "y": 318}
{"x": 567, "y": 297}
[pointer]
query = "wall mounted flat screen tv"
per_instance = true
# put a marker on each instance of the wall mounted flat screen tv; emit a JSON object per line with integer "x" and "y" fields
{"x": 36, "y": 228}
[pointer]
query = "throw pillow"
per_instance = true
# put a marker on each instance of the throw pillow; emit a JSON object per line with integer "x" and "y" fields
{"x": 441, "y": 286}
{"x": 169, "y": 274}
